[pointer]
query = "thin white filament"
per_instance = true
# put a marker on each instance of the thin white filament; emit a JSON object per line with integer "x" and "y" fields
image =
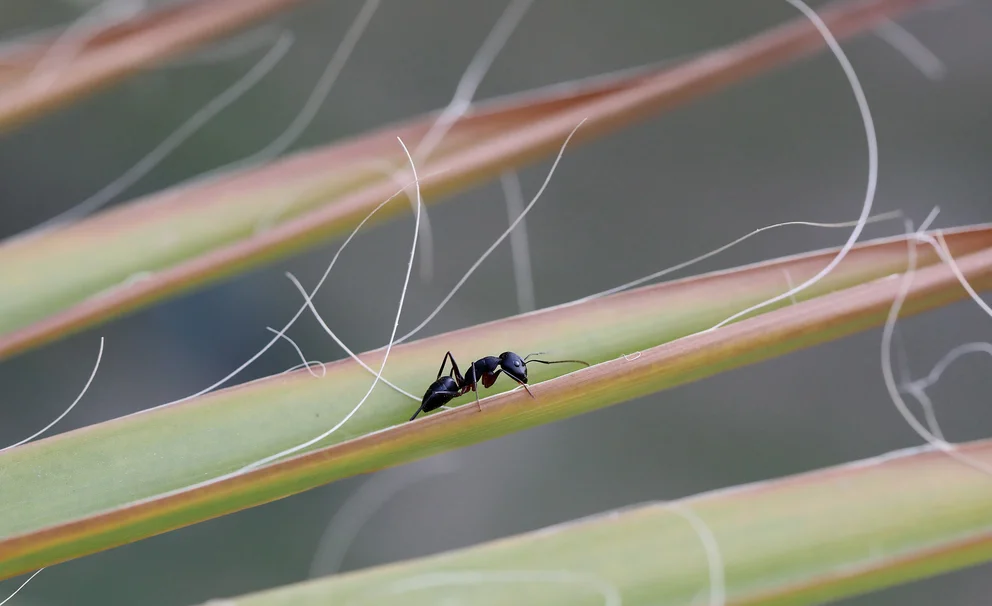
{"x": 231, "y": 49}
{"x": 426, "y": 231}
{"x": 304, "y": 362}
{"x": 26, "y": 39}
{"x": 176, "y": 138}
{"x": 869, "y": 125}
{"x": 906, "y": 385}
{"x": 96, "y": 367}
{"x": 950, "y": 358}
{"x": 308, "y": 364}
{"x": 611, "y": 595}
{"x": 308, "y": 302}
{"x": 918, "y": 388}
{"x": 313, "y": 103}
{"x": 858, "y": 226}
{"x": 389, "y": 346}
{"x": 74, "y": 37}
{"x": 502, "y": 237}
{"x": 346, "y": 523}
{"x": 902, "y": 357}
{"x": 877, "y": 218}
{"x": 929, "y": 413}
{"x": 460, "y": 102}
{"x": 473, "y": 76}
{"x": 714, "y": 559}
{"x": 568, "y": 87}
{"x": 945, "y": 254}
{"x": 886, "y": 348}
{"x": 886, "y": 363}
{"x": 323, "y": 87}
{"x": 523, "y": 277}
{"x": 789, "y": 283}
{"x": 8, "y": 598}
{"x": 295, "y": 317}
{"x": 910, "y": 47}
{"x": 668, "y": 270}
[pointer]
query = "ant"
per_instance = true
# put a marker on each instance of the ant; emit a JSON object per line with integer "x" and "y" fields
{"x": 448, "y": 387}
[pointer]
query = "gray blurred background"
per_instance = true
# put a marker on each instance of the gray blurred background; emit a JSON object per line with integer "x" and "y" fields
{"x": 785, "y": 146}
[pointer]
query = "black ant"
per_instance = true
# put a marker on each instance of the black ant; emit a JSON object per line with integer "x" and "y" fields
{"x": 446, "y": 388}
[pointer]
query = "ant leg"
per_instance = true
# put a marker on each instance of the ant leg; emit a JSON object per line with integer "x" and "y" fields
{"x": 450, "y": 395}
{"x": 444, "y": 361}
{"x": 527, "y": 389}
{"x": 524, "y": 385}
{"x": 475, "y": 388}
{"x": 490, "y": 379}
{"x": 459, "y": 379}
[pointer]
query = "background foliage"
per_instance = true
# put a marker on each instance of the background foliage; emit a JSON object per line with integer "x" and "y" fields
{"x": 782, "y": 147}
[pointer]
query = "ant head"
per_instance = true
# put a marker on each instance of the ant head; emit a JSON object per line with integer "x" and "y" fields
{"x": 514, "y": 366}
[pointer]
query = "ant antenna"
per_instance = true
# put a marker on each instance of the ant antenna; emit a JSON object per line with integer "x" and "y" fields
{"x": 536, "y": 353}
{"x": 555, "y": 361}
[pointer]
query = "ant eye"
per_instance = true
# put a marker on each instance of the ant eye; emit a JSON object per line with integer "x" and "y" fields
{"x": 516, "y": 362}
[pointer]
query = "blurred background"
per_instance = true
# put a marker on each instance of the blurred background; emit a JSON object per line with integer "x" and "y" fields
{"x": 785, "y": 146}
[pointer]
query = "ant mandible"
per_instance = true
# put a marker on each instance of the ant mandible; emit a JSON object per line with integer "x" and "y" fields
{"x": 448, "y": 387}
